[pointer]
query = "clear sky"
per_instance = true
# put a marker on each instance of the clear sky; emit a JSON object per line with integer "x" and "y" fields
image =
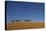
{"x": 16, "y": 10}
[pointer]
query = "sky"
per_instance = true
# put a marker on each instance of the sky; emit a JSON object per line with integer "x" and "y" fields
{"x": 25, "y": 10}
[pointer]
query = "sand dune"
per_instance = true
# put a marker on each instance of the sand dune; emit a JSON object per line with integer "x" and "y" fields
{"x": 25, "y": 25}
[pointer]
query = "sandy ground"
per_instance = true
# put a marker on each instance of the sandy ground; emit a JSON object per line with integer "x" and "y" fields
{"x": 25, "y": 25}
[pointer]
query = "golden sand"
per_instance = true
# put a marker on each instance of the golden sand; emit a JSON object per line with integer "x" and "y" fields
{"x": 25, "y": 25}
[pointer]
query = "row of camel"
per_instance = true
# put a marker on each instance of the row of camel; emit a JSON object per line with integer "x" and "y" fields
{"x": 19, "y": 20}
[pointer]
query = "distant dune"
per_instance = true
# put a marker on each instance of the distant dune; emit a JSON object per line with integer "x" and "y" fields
{"x": 25, "y": 25}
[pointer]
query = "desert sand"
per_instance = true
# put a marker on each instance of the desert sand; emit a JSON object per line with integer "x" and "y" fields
{"x": 25, "y": 25}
